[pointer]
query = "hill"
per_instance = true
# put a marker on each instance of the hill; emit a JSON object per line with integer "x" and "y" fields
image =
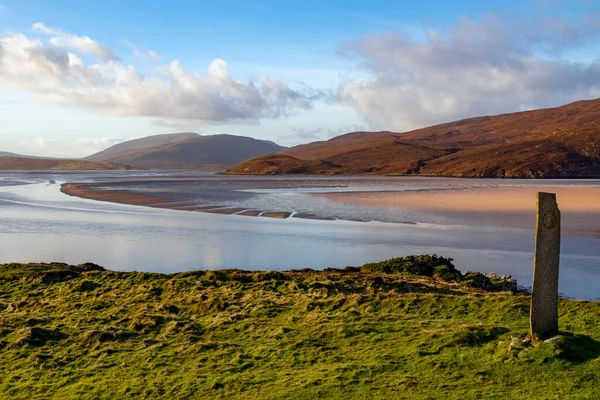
{"x": 206, "y": 152}
{"x": 45, "y": 164}
{"x": 555, "y": 142}
{"x": 140, "y": 144}
{"x": 7, "y": 154}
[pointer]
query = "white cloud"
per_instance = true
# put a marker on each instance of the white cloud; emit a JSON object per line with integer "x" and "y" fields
{"x": 37, "y": 143}
{"x": 301, "y": 135}
{"x": 94, "y": 145}
{"x": 342, "y": 130}
{"x": 142, "y": 55}
{"x": 306, "y": 135}
{"x": 56, "y": 71}
{"x": 63, "y": 148}
{"x": 39, "y": 146}
{"x": 79, "y": 44}
{"x": 181, "y": 125}
{"x": 475, "y": 67}
{"x": 153, "y": 55}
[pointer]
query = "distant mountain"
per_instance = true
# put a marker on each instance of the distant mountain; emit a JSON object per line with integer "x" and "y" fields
{"x": 215, "y": 152}
{"x": 140, "y": 144}
{"x": 45, "y": 164}
{"x": 554, "y": 142}
{"x": 7, "y": 154}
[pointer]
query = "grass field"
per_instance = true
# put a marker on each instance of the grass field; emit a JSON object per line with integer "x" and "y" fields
{"x": 376, "y": 332}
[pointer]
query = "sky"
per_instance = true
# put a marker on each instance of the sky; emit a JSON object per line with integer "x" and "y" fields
{"x": 79, "y": 76}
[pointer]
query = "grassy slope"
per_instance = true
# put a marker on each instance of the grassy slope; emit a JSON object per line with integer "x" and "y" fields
{"x": 68, "y": 333}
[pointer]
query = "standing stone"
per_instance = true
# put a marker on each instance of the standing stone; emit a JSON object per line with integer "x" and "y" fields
{"x": 543, "y": 316}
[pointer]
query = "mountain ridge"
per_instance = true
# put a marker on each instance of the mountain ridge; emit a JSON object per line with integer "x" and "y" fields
{"x": 553, "y": 142}
{"x": 15, "y": 155}
{"x": 216, "y": 152}
{"x": 47, "y": 164}
{"x": 140, "y": 143}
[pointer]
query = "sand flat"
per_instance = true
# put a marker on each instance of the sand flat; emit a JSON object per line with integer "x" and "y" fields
{"x": 500, "y": 205}
{"x": 438, "y": 201}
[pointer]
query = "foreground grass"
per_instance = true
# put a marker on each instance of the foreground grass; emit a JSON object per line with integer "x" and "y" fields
{"x": 82, "y": 332}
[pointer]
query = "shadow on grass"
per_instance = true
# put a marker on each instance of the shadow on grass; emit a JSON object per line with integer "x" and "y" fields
{"x": 578, "y": 348}
{"x": 471, "y": 336}
{"x": 36, "y": 336}
{"x": 416, "y": 287}
{"x": 467, "y": 336}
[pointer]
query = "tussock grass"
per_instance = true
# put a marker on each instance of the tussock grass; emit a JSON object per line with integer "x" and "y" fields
{"x": 88, "y": 333}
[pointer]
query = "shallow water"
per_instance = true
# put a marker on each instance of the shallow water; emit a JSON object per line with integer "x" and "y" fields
{"x": 38, "y": 223}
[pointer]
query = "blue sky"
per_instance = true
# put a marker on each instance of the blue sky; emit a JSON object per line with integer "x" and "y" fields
{"x": 97, "y": 73}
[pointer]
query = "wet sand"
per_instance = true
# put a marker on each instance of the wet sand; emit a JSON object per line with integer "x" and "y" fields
{"x": 502, "y": 205}
{"x": 471, "y": 203}
{"x": 87, "y": 191}
{"x": 92, "y": 192}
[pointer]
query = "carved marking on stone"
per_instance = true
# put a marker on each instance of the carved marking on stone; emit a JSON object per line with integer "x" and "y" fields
{"x": 550, "y": 219}
{"x": 544, "y": 296}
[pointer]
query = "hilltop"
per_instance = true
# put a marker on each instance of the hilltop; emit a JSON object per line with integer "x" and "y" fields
{"x": 44, "y": 164}
{"x": 8, "y": 154}
{"x": 554, "y": 142}
{"x": 140, "y": 144}
{"x": 186, "y": 150}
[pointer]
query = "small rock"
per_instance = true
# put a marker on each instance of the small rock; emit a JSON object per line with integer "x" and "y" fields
{"x": 554, "y": 339}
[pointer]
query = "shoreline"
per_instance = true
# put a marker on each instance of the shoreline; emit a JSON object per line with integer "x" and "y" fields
{"x": 371, "y": 175}
{"x": 501, "y": 206}
{"x": 451, "y": 281}
{"x": 84, "y": 191}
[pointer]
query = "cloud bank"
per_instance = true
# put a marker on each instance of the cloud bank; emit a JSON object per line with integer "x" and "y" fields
{"x": 51, "y": 147}
{"x": 66, "y": 69}
{"x": 303, "y": 135}
{"x": 475, "y": 67}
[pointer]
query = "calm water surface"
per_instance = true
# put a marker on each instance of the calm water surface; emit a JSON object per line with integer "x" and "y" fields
{"x": 38, "y": 223}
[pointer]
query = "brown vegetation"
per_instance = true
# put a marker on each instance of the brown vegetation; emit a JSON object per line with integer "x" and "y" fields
{"x": 554, "y": 142}
{"x": 44, "y": 164}
{"x": 113, "y": 196}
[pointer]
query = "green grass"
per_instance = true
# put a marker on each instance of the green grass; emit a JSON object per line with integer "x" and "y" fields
{"x": 76, "y": 332}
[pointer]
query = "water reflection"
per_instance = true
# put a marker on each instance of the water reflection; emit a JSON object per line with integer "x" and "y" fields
{"x": 38, "y": 223}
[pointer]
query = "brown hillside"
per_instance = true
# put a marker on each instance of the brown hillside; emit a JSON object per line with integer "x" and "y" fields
{"x": 554, "y": 142}
{"x": 207, "y": 152}
{"x": 41, "y": 164}
{"x": 139, "y": 144}
{"x": 570, "y": 152}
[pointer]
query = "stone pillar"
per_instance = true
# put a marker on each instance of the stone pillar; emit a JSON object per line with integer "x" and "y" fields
{"x": 543, "y": 316}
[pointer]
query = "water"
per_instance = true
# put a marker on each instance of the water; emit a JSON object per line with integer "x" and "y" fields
{"x": 38, "y": 223}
